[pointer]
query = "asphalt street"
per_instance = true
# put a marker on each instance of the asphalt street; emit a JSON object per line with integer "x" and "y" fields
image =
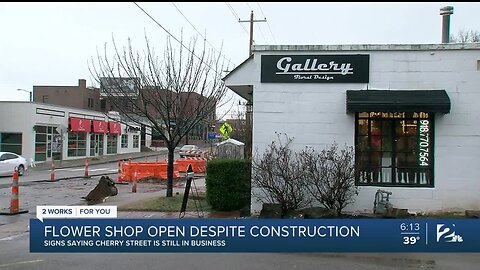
{"x": 14, "y": 254}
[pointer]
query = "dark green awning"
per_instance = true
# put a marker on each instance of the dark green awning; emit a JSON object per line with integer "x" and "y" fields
{"x": 433, "y": 101}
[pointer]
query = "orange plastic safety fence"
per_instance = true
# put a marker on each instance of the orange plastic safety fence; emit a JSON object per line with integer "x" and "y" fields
{"x": 128, "y": 170}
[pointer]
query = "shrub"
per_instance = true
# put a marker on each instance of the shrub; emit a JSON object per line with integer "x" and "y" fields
{"x": 330, "y": 176}
{"x": 279, "y": 175}
{"x": 228, "y": 183}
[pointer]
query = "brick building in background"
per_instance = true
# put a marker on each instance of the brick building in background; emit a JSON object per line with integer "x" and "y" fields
{"x": 91, "y": 98}
{"x": 79, "y": 96}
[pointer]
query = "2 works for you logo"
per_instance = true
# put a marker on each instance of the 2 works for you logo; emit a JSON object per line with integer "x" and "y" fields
{"x": 448, "y": 234}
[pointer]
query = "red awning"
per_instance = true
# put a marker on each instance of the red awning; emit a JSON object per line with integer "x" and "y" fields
{"x": 80, "y": 124}
{"x": 100, "y": 126}
{"x": 114, "y": 128}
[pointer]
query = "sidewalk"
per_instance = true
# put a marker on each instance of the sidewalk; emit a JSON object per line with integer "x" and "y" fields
{"x": 59, "y": 164}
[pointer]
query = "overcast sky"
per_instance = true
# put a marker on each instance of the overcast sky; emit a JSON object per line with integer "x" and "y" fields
{"x": 51, "y": 43}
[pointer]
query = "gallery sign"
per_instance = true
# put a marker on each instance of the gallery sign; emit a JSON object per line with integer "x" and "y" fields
{"x": 315, "y": 68}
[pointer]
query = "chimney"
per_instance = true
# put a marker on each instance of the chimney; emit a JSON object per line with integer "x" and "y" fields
{"x": 82, "y": 83}
{"x": 446, "y": 12}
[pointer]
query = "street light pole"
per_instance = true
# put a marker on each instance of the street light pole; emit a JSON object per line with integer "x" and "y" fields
{"x": 30, "y": 93}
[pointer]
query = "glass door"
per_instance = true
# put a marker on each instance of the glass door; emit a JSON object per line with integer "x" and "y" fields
{"x": 49, "y": 146}
{"x": 99, "y": 151}
{"x": 96, "y": 144}
{"x": 48, "y": 143}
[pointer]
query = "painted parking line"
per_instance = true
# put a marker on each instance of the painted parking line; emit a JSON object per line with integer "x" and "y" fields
{"x": 19, "y": 263}
{"x": 74, "y": 170}
{"x": 94, "y": 170}
{"x": 82, "y": 169}
{"x": 13, "y": 237}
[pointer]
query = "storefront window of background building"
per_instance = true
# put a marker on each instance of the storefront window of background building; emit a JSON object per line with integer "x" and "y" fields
{"x": 135, "y": 141}
{"x": 11, "y": 142}
{"x": 124, "y": 141}
{"x": 44, "y": 137}
{"x": 76, "y": 144}
{"x": 112, "y": 144}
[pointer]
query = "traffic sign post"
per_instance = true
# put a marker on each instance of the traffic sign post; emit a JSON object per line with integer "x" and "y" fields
{"x": 226, "y": 130}
{"x": 211, "y": 135}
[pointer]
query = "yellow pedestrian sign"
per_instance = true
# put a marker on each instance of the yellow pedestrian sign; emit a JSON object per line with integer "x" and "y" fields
{"x": 225, "y": 130}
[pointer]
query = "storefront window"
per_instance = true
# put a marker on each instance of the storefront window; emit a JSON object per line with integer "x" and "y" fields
{"x": 77, "y": 145}
{"x": 48, "y": 143}
{"x": 135, "y": 141}
{"x": 124, "y": 141}
{"x": 112, "y": 143}
{"x": 11, "y": 142}
{"x": 394, "y": 149}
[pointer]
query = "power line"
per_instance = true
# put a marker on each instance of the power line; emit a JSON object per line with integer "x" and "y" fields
{"x": 270, "y": 29}
{"x": 176, "y": 39}
{"x": 261, "y": 32}
{"x": 204, "y": 38}
{"x": 236, "y": 16}
{"x": 249, "y": 6}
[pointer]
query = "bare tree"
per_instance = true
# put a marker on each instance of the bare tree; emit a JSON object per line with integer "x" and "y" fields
{"x": 466, "y": 36}
{"x": 330, "y": 176}
{"x": 279, "y": 176}
{"x": 172, "y": 95}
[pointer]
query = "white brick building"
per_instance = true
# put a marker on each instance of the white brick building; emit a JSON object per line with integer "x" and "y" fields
{"x": 419, "y": 137}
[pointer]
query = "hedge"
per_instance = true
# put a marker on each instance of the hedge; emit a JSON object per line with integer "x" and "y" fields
{"x": 228, "y": 183}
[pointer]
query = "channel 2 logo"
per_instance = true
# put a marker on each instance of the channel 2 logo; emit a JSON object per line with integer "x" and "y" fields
{"x": 447, "y": 234}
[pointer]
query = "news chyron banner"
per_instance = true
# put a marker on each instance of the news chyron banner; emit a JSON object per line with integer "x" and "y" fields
{"x": 79, "y": 229}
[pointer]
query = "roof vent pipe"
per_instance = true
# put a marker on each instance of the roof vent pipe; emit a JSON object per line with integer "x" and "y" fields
{"x": 446, "y": 12}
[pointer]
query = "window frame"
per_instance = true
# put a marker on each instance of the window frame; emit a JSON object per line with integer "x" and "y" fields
{"x": 75, "y": 142}
{"x": 112, "y": 144}
{"x": 136, "y": 141}
{"x": 124, "y": 141}
{"x": 9, "y": 145}
{"x": 394, "y": 182}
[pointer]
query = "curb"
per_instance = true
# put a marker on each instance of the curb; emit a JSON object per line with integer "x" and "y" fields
{"x": 94, "y": 162}
{"x": 31, "y": 183}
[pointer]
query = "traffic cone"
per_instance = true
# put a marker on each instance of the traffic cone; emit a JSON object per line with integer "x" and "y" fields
{"x": 120, "y": 180}
{"x": 52, "y": 171}
{"x": 134, "y": 186}
{"x": 14, "y": 201}
{"x": 86, "y": 167}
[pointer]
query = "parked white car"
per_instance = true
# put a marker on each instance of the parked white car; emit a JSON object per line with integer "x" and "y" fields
{"x": 189, "y": 150}
{"x": 8, "y": 162}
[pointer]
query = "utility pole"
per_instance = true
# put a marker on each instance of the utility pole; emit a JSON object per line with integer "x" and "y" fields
{"x": 249, "y": 105}
{"x": 251, "y": 21}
